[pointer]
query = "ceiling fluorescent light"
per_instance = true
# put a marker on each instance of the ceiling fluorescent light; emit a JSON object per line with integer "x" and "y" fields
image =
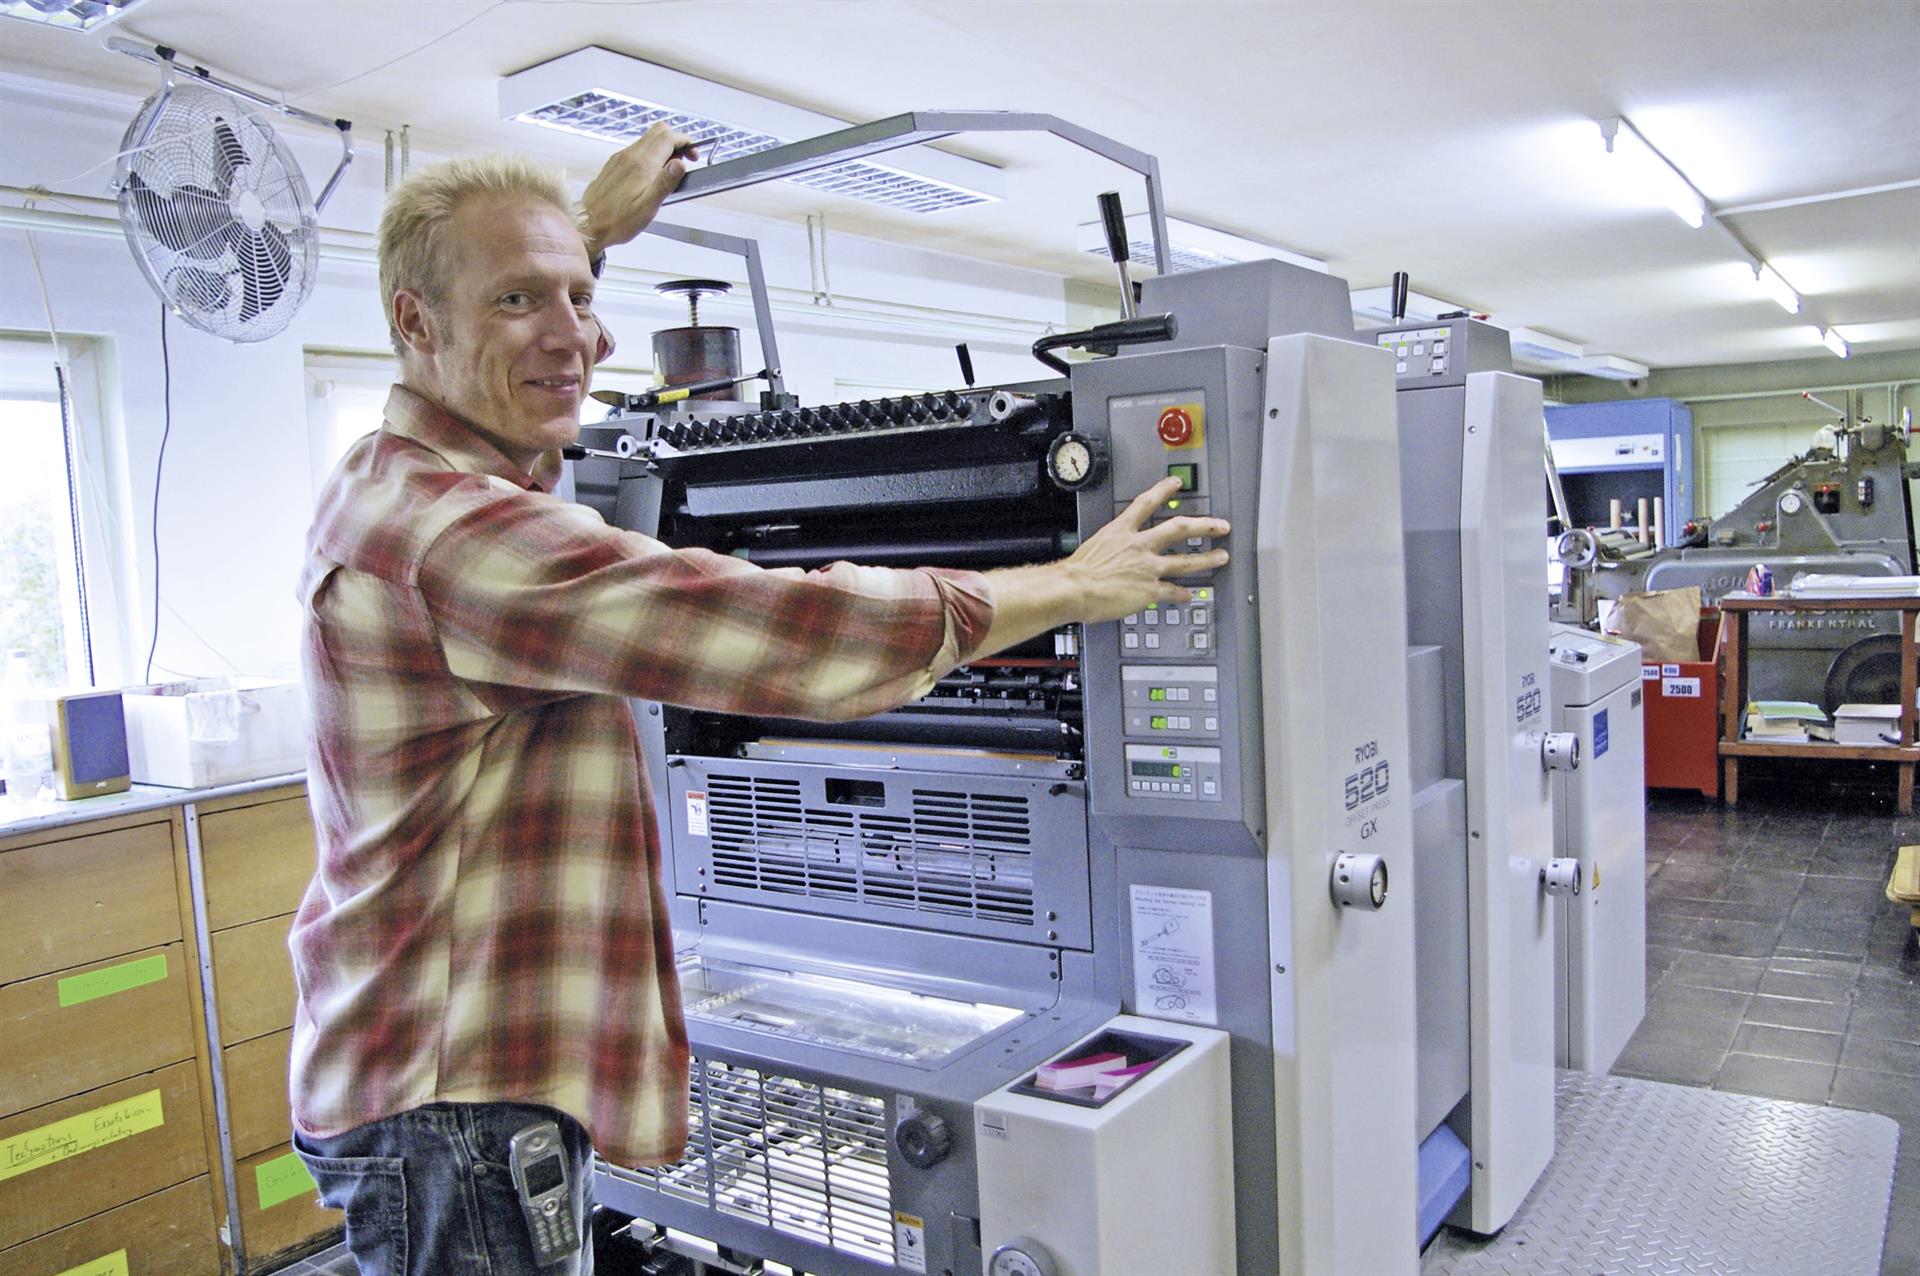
{"x": 1543, "y": 347}
{"x": 601, "y": 94}
{"x": 1834, "y": 342}
{"x": 1650, "y": 171}
{"x": 1610, "y": 367}
{"x": 67, "y": 15}
{"x": 1373, "y": 307}
{"x": 1193, "y": 246}
{"x": 1774, "y": 286}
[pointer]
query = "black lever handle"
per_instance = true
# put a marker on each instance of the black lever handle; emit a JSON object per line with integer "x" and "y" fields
{"x": 1397, "y": 296}
{"x": 1114, "y": 221}
{"x": 966, "y": 363}
{"x": 1122, "y": 332}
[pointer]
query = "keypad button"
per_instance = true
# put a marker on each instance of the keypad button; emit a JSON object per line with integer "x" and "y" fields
{"x": 1130, "y": 641}
{"x": 1153, "y": 642}
{"x": 1209, "y": 694}
{"x": 1198, "y": 615}
{"x": 1173, "y": 615}
{"x": 1200, "y": 642}
{"x": 1153, "y": 617}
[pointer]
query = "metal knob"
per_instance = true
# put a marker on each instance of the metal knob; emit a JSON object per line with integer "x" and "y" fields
{"x": 1561, "y": 877}
{"x": 1359, "y": 881}
{"x": 1022, "y": 1256}
{"x": 923, "y": 1139}
{"x": 1560, "y": 751}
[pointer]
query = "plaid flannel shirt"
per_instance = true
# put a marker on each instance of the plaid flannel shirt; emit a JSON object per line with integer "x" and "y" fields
{"x": 487, "y": 921}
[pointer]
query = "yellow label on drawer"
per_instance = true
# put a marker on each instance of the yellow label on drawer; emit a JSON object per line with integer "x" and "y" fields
{"x": 62, "y": 1140}
{"x": 114, "y": 1264}
{"x": 108, "y": 980}
{"x": 282, "y": 1179}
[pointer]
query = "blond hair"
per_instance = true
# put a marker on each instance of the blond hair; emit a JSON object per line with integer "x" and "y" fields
{"x": 413, "y": 251}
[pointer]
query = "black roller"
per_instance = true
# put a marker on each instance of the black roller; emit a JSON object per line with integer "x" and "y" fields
{"x": 1868, "y": 672}
{"x": 943, "y": 553}
{"x": 1037, "y": 734}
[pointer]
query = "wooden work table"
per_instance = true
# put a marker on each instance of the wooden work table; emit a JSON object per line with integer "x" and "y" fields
{"x": 1736, "y": 610}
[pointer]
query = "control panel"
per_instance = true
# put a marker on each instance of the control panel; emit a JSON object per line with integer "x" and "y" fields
{"x": 1419, "y": 352}
{"x": 1171, "y": 690}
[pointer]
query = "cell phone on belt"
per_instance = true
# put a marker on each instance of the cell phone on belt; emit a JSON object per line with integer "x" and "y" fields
{"x": 538, "y": 1161}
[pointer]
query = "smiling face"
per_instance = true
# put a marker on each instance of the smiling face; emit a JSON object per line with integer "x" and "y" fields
{"x": 509, "y": 348}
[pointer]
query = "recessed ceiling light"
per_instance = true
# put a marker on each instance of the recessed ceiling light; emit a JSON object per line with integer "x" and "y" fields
{"x": 1194, "y": 247}
{"x": 68, "y": 15}
{"x": 612, "y": 97}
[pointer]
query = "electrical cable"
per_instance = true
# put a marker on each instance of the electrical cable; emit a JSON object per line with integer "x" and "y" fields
{"x": 73, "y": 517}
{"x": 159, "y": 468}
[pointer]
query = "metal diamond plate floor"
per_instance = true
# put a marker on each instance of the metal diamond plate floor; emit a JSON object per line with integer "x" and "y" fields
{"x": 1655, "y": 1178}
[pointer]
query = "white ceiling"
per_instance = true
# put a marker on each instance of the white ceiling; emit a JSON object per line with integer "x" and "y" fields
{"x": 1449, "y": 138}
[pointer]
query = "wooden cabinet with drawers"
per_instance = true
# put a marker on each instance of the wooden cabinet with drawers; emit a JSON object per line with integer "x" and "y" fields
{"x": 121, "y": 1114}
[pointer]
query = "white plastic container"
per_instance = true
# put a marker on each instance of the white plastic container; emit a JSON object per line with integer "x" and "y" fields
{"x": 207, "y": 731}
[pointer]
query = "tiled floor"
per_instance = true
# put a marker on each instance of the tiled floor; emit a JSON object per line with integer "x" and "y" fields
{"x": 1775, "y": 964}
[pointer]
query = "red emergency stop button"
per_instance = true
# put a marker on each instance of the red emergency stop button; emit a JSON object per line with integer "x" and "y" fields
{"x": 1176, "y": 427}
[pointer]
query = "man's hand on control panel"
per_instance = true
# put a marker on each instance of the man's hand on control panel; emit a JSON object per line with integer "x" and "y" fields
{"x": 1117, "y": 571}
{"x": 623, "y": 197}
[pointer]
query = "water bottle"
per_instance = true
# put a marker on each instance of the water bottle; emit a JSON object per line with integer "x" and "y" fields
{"x": 29, "y": 738}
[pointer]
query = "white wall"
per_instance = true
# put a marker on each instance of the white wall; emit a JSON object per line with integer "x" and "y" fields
{"x": 235, "y": 502}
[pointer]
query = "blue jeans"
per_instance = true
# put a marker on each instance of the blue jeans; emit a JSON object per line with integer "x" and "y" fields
{"x": 427, "y": 1191}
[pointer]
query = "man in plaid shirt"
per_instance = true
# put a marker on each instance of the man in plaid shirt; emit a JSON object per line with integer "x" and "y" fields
{"x": 485, "y": 944}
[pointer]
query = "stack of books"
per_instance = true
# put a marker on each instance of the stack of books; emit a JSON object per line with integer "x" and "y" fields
{"x": 1786, "y": 722}
{"x": 1867, "y": 724}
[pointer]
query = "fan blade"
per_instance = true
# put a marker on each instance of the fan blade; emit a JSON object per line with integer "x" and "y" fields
{"x": 192, "y": 221}
{"x": 199, "y": 291}
{"x": 265, "y": 266}
{"x": 228, "y": 156}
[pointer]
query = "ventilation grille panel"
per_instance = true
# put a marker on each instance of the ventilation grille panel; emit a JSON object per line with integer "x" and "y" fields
{"x": 803, "y": 1159}
{"x": 954, "y": 854}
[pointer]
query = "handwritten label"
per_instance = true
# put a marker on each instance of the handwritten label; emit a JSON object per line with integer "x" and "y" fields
{"x": 114, "y": 1264}
{"x": 108, "y": 980}
{"x": 62, "y": 1140}
{"x": 282, "y": 1179}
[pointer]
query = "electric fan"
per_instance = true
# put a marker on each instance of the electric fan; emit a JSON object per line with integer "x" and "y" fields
{"x": 214, "y": 205}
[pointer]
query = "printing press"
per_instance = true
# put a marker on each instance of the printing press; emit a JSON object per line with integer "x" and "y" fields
{"x": 1184, "y": 841}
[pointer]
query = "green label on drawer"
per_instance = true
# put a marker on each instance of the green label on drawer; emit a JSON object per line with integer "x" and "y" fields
{"x": 108, "y": 980}
{"x": 114, "y": 1264}
{"x": 282, "y": 1179}
{"x": 61, "y": 1140}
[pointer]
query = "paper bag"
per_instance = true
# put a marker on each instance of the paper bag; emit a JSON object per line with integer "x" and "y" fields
{"x": 1666, "y": 624}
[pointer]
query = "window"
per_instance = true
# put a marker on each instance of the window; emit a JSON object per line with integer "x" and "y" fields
{"x": 55, "y": 514}
{"x": 347, "y": 392}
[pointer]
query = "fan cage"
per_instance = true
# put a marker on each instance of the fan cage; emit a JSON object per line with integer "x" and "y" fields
{"x": 217, "y": 213}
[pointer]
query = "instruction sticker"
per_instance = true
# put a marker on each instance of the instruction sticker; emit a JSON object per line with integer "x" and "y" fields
{"x": 697, "y": 812}
{"x": 1173, "y": 971}
{"x": 114, "y": 1264}
{"x": 75, "y": 989}
{"x": 63, "y": 1140}
{"x": 282, "y": 1179}
{"x": 1682, "y": 688}
{"x": 909, "y": 1241}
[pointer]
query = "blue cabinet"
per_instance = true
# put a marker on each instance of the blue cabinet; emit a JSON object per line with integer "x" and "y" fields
{"x": 1629, "y": 451}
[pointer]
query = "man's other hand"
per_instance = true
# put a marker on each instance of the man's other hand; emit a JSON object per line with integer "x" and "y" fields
{"x": 623, "y": 197}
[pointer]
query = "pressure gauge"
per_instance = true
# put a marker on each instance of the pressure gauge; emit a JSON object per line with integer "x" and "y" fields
{"x": 1790, "y": 502}
{"x": 1074, "y": 461}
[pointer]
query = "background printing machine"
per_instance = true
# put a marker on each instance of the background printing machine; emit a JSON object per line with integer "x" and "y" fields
{"x": 1260, "y": 842}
